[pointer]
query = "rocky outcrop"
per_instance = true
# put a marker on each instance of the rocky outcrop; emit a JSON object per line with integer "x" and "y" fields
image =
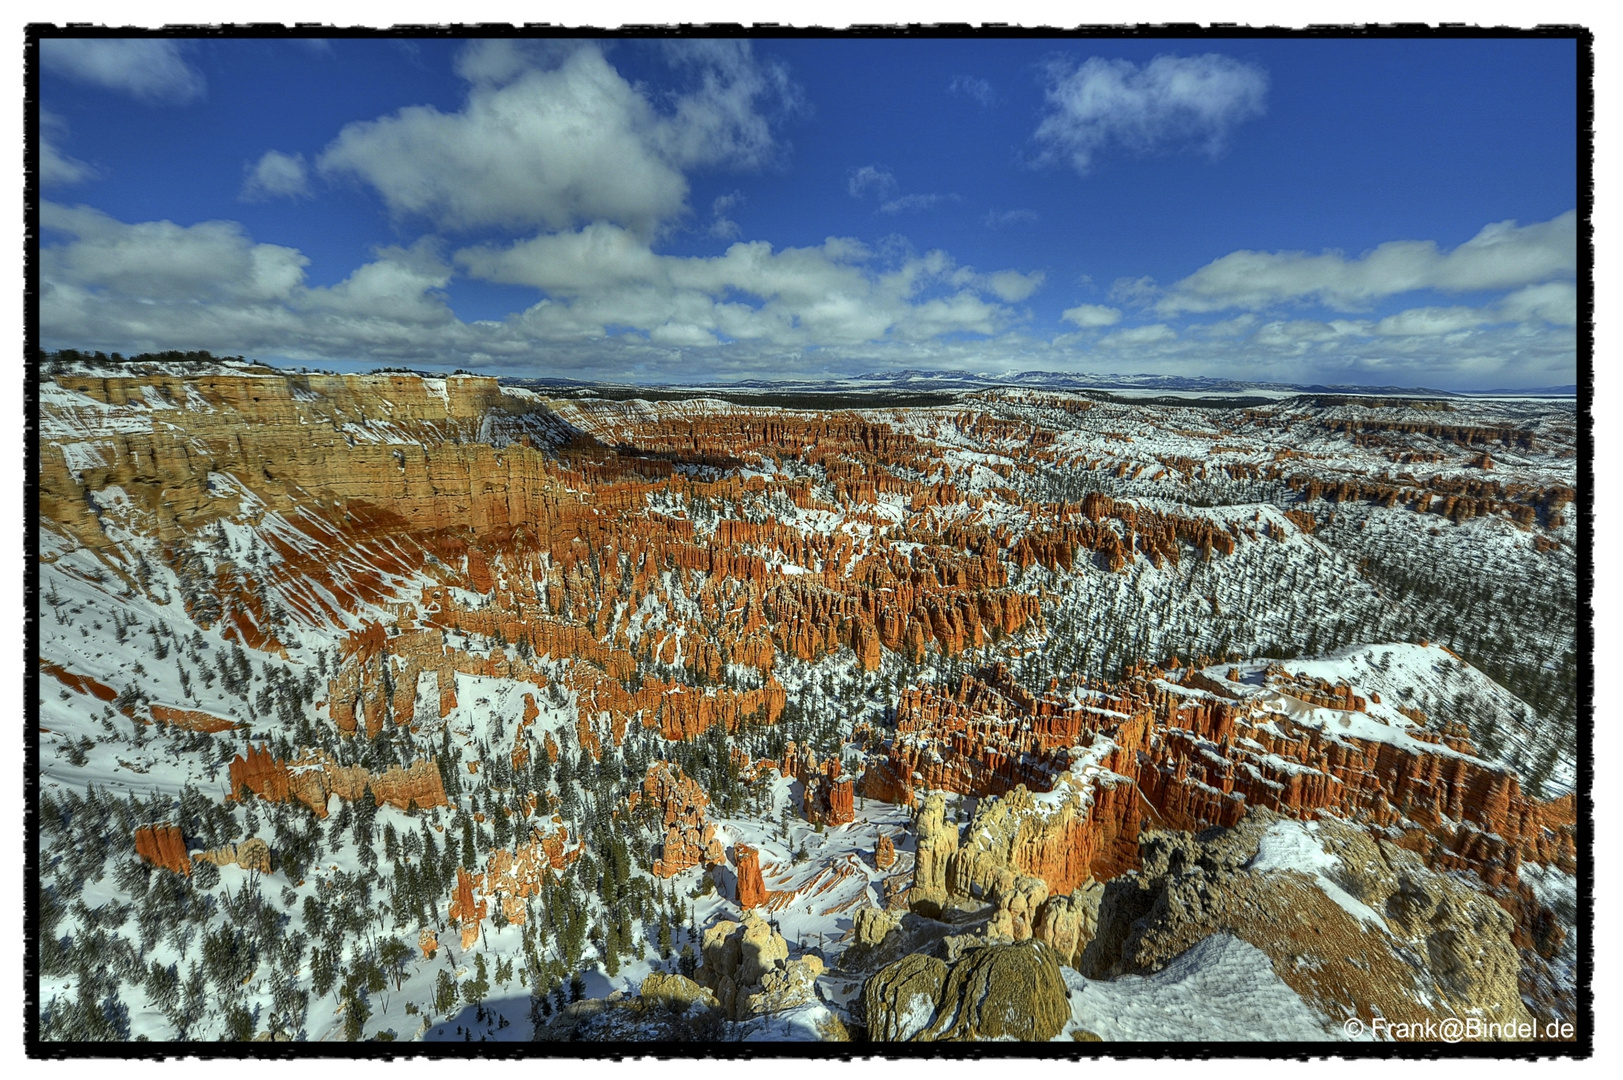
{"x": 192, "y": 719}
{"x": 314, "y": 777}
{"x": 996, "y": 992}
{"x": 829, "y": 798}
{"x": 677, "y": 993}
{"x": 465, "y": 910}
{"x": 1344, "y": 933}
{"x": 747, "y": 966}
{"x": 1067, "y": 923}
{"x": 163, "y": 845}
{"x": 1019, "y": 898}
{"x": 82, "y": 684}
{"x": 900, "y": 1000}
{"x": 871, "y": 926}
{"x": 679, "y": 806}
{"x": 1086, "y": 827}
{"x": 1191, "y": 747}
{"x": 751, "y": 889}
{"x": 250, "y": 854}
{"x": 936, "y": 842}
{"x": 884, "y": 853}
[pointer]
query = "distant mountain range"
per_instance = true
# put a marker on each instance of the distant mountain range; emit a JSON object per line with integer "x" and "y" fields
{"x": 915, "y": 380}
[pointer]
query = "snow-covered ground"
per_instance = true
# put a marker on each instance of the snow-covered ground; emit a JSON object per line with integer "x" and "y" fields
{"x": 1221, "y": 990}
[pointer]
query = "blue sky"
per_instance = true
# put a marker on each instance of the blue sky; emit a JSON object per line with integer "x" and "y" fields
{"x": 1367, "y": 212}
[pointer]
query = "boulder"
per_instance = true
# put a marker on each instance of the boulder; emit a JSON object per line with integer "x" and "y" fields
{"x": 872, "y": 925}
{"x": 760, "y": 949}
{"x": 995, "y": 992}
{"x": 676, "y": 992}
{"x": 1002, "y": 992}
{"x": 251, "y": 854}
{"x": 1365, "y": 929}
{"x": 900, "y": 999}
{"x": 787, "y": 987}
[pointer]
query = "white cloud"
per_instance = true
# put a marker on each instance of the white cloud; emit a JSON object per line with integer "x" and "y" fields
{"x": 1432, "y": 321}
{"x": 1228, "y": 328}
{"x": 149, "y": 69}
{"x": 611, "y": 307}
{"x": 908, "y": 203}
{"x": 603, "y": 275}
{"x": 161, "y": 261}
{"x": 1091, "y": 315}
{"x": 1555, "y": 302}
{"x": 1138, "y": 291}
{"x": 55, "y": 167}
{"x": 976, "y": 89}
{"x": 997, "y": 219}
{"x": 1140, "y": 335}
{"x": 276, "y": 175}
{"x": 880, "y": 182}
{"x": 1013, "y": 286}
{"x": 1171, "y": 103}
{"x": 1296, "y": 334}
{"x": 1501, "y": 256}
{"x": 721, "y": 226}
{"x": 870, "y": 180}
{"x": 556, "y": 140}
{"x": 402, "y": 287}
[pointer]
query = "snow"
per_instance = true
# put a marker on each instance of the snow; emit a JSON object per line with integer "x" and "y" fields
{"x": 1221, "y": 990}
{"x": 1295, "y": 845}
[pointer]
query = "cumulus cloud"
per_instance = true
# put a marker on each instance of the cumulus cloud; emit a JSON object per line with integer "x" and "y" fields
{"x": 162, "y": 261}
{"x": 1088, "y": 316}
{"x": 158, "y": 285}
{"x": 276, "y": 175}
{"x": 1013, "y": 286}
{"x": 148, "y": 69}
{"x": 403, "y": 286}
{"x": 554, "y": 140}
{"x": 1171, "y": 103}
{"x": 609, "y": 306}
{"x": 107, "y": 284}
{"x": 1555, "y": 303}
{"x": 832, "y": 294}
{"x": 56, "y": 168}
{"x": 1138, "y": 291}
{"x": 1501, "y": 256}
{"x": 1424, "y": 321}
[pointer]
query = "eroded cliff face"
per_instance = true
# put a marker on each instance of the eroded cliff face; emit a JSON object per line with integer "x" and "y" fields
{"x": 1066, "y": 780}
{"x": 163, "y": 845}
{"x": 315, "y": 777}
